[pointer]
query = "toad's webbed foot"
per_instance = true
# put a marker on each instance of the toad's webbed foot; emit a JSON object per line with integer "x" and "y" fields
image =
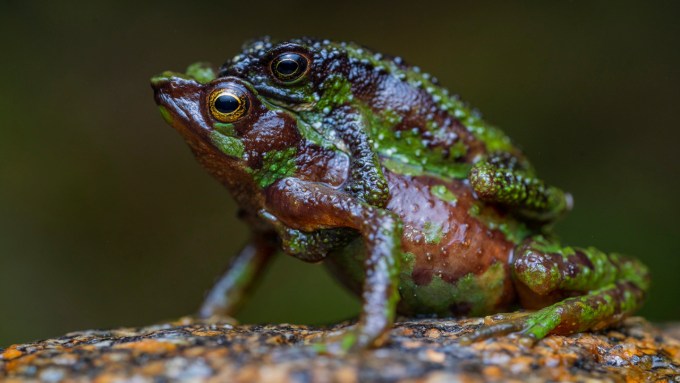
{"x": 501, "y": 179}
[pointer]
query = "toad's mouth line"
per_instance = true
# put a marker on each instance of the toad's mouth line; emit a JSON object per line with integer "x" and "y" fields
{"x": 291, "y": 104}
{"x": 294, "y": 103}
{"x": 294, "y": 107}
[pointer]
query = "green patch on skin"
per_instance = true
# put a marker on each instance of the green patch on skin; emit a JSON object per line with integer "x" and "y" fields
{"x": 228, "y": 145}
{"x": 337, "y": 90}
{"x": 513, "y": 230}
{"x": 314, "y": 136}
{"x": 404, "y": 168}
{"x": 391, "y": 117}
{"x": 635, "y": 271}
{"x": 433, "y": 233}
{"x": 225, "y": 128}
{"x": 480, "y": 293}
{"x": 165, "y": 113}
{"x": 629, "y": 303}
{"x": 296, "y": 244}
{"x": 408, "y": 260}
{"x": 410, "y": 169}
{"x": 443, "y": 193}
{"x": 540, "y": 277}
{"x": 544, "y": 245}
{"x": 168, "y": 74}
{"x": 276, "y": 165}
{"x": 201, "y": 72}
{"x": 458, "y": 150}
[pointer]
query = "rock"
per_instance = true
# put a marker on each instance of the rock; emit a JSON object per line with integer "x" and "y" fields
{"x": 418, "y": 351}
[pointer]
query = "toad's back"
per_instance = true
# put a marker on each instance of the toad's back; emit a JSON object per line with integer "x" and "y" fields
{"x": 413, "y": 119}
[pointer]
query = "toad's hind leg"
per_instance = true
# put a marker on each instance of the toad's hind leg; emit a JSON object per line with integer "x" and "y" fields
{"x": 600, "y": 290}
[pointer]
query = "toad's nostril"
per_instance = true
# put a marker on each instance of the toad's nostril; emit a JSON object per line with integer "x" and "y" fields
{"x": 171, "y": 80}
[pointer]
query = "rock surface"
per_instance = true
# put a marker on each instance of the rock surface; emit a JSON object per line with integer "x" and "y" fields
{"x": 418, "y": 351}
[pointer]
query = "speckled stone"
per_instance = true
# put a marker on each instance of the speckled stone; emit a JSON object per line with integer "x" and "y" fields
{"x": 418, "y": 351}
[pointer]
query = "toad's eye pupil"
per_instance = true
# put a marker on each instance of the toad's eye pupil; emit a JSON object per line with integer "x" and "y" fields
{"x": 227, "y": 103}
{"x": 287, "y": 66}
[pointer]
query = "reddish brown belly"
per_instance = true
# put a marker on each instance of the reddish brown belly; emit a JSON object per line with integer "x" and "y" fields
{"x": 453, "y": 263}
{"x": 446, "y": 241}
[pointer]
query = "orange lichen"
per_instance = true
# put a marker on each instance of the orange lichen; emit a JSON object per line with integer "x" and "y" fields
{"x": 148, "y": 346}
{"x": 433, "y": 333}
{"x": 206, "y": 333}
{"x": 11, "y": 353}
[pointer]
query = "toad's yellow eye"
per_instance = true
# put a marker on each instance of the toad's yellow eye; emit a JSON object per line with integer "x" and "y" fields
{"x": 228, "y": 105}
{"x": 289, "y": 67}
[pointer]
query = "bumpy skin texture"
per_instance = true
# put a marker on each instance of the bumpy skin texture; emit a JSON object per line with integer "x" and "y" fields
{"x": 414, "y": 202}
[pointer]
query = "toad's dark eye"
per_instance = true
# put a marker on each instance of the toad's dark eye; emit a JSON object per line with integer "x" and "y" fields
{"x": 289, "y": 67}
{"x": 228, "y": 105}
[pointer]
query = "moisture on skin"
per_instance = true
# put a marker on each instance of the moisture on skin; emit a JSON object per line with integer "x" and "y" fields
{"x": 338, "y": 154}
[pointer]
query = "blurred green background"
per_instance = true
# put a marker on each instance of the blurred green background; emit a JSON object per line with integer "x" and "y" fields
{"x": 107, "y": 220}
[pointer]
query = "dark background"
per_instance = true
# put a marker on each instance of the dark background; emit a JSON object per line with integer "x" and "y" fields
{"x": 107, "y": 220}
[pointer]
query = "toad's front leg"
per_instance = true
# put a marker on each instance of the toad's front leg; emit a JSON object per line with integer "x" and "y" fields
{"x": 505, "y": 180}
{"x": 309, "y": 206}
